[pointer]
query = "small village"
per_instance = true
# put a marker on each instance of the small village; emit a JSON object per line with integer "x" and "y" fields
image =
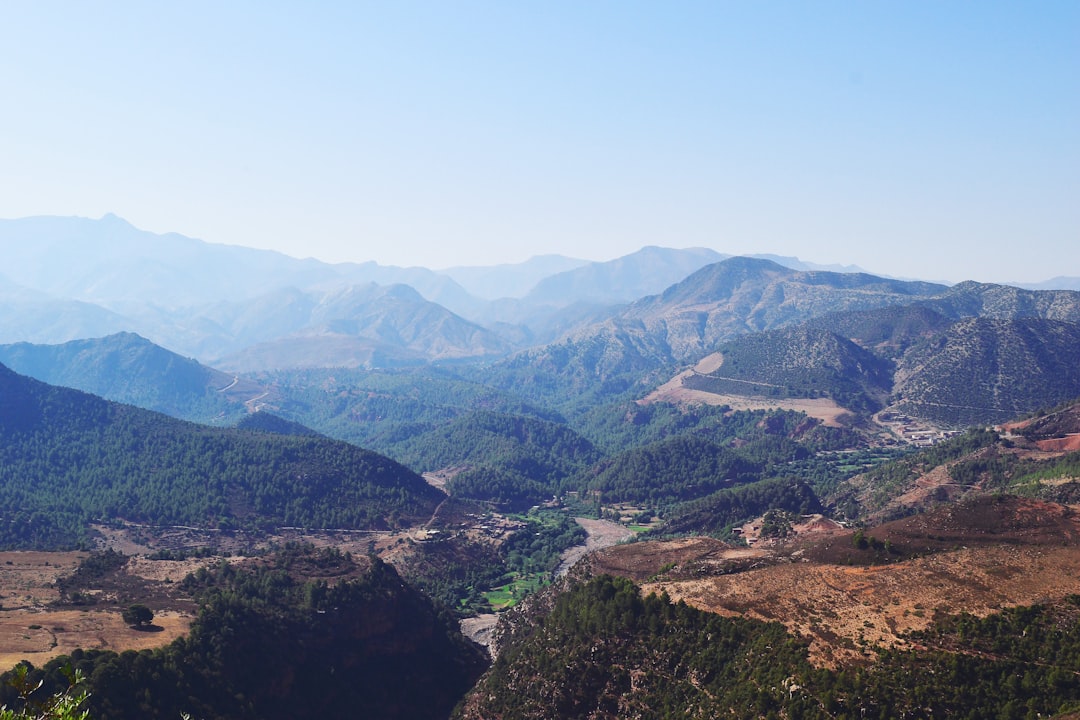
{"x": 913, "y": 431}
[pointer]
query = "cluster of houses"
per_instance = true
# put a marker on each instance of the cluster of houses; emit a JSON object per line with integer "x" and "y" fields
{"x": 490, "y": 526}
{"x": 914, "y": 431}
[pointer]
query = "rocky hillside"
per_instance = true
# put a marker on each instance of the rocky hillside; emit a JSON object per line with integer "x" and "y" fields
{"x": 799, "y": 362}
{"x": 1003, "y": 302}
{"x": 721, "y": 301}
{"x": 988, "y": 371}
{"x": 1036, "y": 458}
{"x": 744, "y": 295}
{"x": 912, "y": 358}
{"x": 833, "y": 623}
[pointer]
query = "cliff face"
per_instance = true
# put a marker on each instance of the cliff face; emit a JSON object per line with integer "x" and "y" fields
{"x": 375, "y": 644}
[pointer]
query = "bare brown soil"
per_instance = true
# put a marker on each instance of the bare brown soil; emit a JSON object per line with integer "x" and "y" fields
{"x": 809, "y": 527}
{"x": 27, "y": 578}
{"x": 977, "y": 557}
{"x": 1069, "y": 443}
{"x": 144, "y": 539}
{"x": 35, "y": 626}
{"x": 710, "y": 363}
{"x": 673, "y": 391}
{"x": 40, "y": 635}
{"x": 481, "y": 630}
{"x": 642, "y": 561}
{"x": 845, "y": 611}
{"x": 438, "y": 478}
{"x": 934, "y": 486}
{"x": 1060, "y": 423}
{"x": 38, "y": 622}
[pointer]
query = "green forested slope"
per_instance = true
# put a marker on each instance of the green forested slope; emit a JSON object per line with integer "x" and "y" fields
{"x": 68, "y": 458}
{"x": 130, "y": 369}
{"x": 377, "y": 409}
{"x": 539, "y": 448}
{"x": 673, "y": 470}
{"x": 267, "y": 422}
{"x": 511, "y": 459}
{"x": 719, "y": 511}
{"x": 603, "y": 651}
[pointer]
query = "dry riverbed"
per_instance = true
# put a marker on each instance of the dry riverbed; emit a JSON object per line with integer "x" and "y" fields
{"x": 601, "y": 534}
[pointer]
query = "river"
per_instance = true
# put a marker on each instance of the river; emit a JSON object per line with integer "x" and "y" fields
{"x": 601, "y": 534}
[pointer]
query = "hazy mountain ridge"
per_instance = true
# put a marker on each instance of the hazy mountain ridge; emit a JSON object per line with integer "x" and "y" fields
{"x": 745, "y": 295}
{"x": 351, "y": 326}
{"x": 690, "y": 319}
{"x": 82, "y": 278}
{"x": 510, "y": 280}
{"x": 130, "y": 369}
{"x": 623, "y": 279}
{"x": 31, "y": 315}
{"x": 380, "y": 326}
{"x": 88, "y": 278}
{"x": 263, "y": 310}
{"x": 110, "y": 261}
{"x": 605, "y": 349}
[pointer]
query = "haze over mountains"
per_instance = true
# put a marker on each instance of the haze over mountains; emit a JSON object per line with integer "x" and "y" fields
{"x": 72, "y": 278}
{"x": 454, "y": 424}
{"x": 550, "y": 322}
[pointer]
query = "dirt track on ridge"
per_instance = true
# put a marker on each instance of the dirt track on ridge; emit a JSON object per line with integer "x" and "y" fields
{"x": 673, "y": 391}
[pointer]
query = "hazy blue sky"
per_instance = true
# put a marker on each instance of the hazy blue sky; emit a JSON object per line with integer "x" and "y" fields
{"x": 926, "y": 139}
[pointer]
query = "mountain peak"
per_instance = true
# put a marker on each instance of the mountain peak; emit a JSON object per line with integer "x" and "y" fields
{"x": 114, "y": 219}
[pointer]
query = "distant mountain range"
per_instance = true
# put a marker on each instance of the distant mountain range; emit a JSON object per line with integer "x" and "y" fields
{"x": 111, "y": 263}
{"x": 689, "y": 319}
{"x": 358, "y": 325}
{"x": 69, "y": 278}
{"x": 956, "y": 369}
{"x": 564, "y": 327}
{"x": 645, "y": 272}
{"x": 492, "y": 282}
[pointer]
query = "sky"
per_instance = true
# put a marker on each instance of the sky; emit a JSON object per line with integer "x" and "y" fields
{"x": 917, "y": 139}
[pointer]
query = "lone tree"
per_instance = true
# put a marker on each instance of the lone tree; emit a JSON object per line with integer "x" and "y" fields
{"x": 138, "y": 615}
